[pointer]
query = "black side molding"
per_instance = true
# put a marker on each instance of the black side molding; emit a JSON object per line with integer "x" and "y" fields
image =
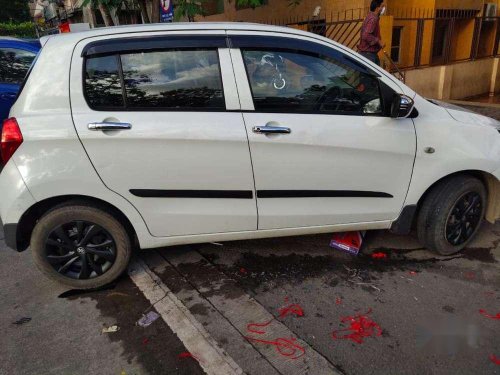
{"x": 321, "y": 194}
{"x": 229, "y": 194}
{"x": 404, "y": 222}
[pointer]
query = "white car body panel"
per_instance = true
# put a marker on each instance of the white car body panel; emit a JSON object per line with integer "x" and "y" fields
{"x": 52, "y": 161}
{"x": 173, "y": 150}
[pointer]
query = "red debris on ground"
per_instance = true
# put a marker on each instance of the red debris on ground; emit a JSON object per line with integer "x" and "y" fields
{"x": 259, "y": 332}
{"x": 187, "y": 355}
{"x": 470, "y": 275}
{"x": 338, "y": 301}
{"x": 285, "y": 347}
{"x": 495, "y": 359}
{"x": 484, "y": 313}
{"x": 294, "y": 309}
{"x": 412, "y": 273}
{"x": 145, "y": 341}
{"x": 243, "y": 270}
{"x": 379, "y": 255}
{"x": 361, "y": 327}
{"x": 489, "y": 293}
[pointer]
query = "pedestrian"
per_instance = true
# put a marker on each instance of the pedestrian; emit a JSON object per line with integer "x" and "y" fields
{"x": 371, "y": 42}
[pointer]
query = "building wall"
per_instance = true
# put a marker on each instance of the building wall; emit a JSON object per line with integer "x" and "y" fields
{"x": 279, "y": 10}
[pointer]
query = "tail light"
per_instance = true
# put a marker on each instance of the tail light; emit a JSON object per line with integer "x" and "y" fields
{"x": 11, "y": 139}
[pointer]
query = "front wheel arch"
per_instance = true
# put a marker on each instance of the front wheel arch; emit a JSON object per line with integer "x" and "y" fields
{"x": 34, "y": 213}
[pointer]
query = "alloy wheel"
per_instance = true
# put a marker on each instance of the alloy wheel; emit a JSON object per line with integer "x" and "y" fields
{"x": 80, "y": 250}
{"x": 464, "y": 218}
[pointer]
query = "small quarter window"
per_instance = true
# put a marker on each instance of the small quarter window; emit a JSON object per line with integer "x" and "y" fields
{"x": 14, "y": 64}
{"x": 102, "y": 83}
{"x": 303, "y": 82}
{"x": 173, "y": 80}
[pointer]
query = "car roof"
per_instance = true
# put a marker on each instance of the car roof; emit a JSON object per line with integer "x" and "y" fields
{"x": 175, "y": 26}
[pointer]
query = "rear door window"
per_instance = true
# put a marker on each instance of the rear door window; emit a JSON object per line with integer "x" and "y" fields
{"x": 157, "y": 80}
{"x": 103, "y": 88}
{"x": 14, "y": 64}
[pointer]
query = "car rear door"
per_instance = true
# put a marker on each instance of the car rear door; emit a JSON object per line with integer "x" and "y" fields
{"x": 158, "y": 117}
{"x": 324, "y": 150}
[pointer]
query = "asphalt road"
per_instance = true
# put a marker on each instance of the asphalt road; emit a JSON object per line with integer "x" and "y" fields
{"x": 427, "y": 309}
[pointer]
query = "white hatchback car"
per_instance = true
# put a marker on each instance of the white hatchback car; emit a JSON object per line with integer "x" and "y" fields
{"x": 185, "y": 133}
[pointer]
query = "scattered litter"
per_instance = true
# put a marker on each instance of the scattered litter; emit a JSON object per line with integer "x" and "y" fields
{"x": 147, "y": 319}
{"x": 22, "y": 321}
{"x": 110, "y": 329}
{"x": 379, "y": 255}
{"x": 361, "y": 327}
{"x": 484, "y": 313}
{"x": 495, "y": 359}
{"x": 145, "y": 341}
{"x": 243, "y": 270}
{"x": 187, "y": 355}
{"x": 216, "y": 243}
{"x": 413, "y": 273}
{"x": 285, "y": 347}
{"x": 416, "y": 299}
{"x": 349, "y": 242}
{"x": 338, "y": 301}
{"x": 123, "y": 372}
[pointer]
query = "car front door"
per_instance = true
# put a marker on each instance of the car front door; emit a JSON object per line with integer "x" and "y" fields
{"x": 158, "y": 117}
{"x": 324, "y": 148}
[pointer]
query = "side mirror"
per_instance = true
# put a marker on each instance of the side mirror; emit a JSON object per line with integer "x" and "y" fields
{"x": 402, "y": 106}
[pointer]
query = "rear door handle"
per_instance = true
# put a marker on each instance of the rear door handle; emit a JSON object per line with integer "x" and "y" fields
{"x": 109, "y": 126}
{"x": 267, "y": 129}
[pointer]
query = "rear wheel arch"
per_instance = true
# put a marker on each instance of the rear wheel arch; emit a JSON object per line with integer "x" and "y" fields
{"x": 34, "y": 213}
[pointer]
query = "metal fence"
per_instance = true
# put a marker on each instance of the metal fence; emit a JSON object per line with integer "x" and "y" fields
{"x": 427, "y": 36}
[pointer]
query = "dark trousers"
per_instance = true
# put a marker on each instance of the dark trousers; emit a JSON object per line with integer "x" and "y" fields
{"x": 372, "y": 56}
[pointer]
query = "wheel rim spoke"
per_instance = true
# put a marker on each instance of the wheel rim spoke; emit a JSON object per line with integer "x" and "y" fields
{"x": 65, "y": 267}
{"x": 60, "y": 245}
{"x": 58, "y": 259}
{"x": 96, "y": 267}
{"x": 64, "y": 237}
{"x": 91, "y": 232}
{"x": 106, "y": 254}
{"x": 84, "y": 270}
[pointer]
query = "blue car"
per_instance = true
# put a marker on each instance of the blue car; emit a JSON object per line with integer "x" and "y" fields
{"x": 16, "y": 56}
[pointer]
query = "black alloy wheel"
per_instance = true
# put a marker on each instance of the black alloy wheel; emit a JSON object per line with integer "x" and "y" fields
{"x": 80, "y": 250}
{"x": 464, "y": 218}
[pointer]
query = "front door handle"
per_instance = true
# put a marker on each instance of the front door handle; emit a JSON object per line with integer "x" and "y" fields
{"x": 267, "y": 129}
{"x": 109, "y": 126}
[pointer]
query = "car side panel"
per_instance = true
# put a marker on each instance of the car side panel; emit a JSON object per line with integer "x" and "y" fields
{"x": 51, "y": 160}
{"x": 458, "y": 147}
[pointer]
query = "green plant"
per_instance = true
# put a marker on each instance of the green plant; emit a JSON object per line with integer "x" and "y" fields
{"x": 188, "y": 9}
{"x": 21, "y": 30}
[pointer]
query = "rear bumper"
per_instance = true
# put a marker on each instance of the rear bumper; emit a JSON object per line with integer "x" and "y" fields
{"x": 15, "y": 200}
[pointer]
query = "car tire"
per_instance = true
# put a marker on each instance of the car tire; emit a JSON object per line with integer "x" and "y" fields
{"x": 81, "y": 246}
{"x": 451, "y": 214}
